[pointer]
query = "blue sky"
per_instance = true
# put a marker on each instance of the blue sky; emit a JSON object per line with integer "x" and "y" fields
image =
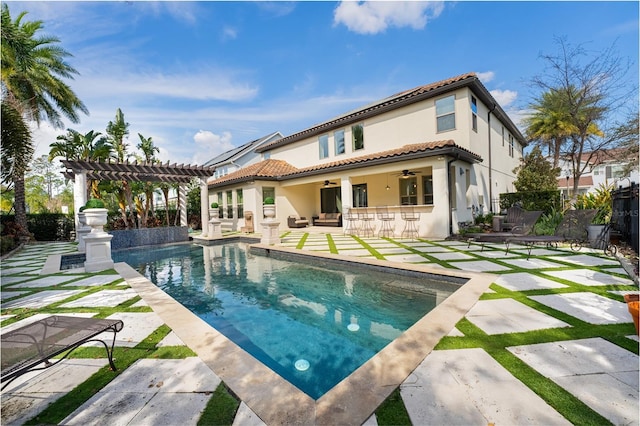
{"x": 203, "y": 77}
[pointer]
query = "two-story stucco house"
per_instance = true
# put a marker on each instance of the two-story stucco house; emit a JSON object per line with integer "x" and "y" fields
{"x": 444, "y": 150}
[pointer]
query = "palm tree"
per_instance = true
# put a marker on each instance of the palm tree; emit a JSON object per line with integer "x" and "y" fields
{"x": 550, "y": 124}
{"x": 148, "y": 150}
{"x": 17, "y": 149}
{"x": 116, "y": 132}
{"x": 32, "y": 69}
{"x": 75, "y": 146}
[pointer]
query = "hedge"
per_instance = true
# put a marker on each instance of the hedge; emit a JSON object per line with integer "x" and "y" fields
{"x": 46, "y": 226}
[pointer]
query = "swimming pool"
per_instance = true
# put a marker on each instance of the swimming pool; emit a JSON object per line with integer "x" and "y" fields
{"x": 313, "y": 324}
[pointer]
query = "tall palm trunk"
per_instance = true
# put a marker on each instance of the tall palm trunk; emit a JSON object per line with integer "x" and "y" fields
{"x": 19, "y": 202}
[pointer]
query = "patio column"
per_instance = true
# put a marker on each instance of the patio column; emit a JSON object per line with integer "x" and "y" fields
{"x": 182, "y": 196}
{"x": 204, "y": 207}
{"x": 79, "y": 196}
{"x": 346, "y": 193}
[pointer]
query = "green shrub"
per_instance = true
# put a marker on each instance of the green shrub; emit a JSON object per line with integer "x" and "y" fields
{"x": 600, "y": 200}
{"x": 269, "y": 200}
{"x": 94, "y": 203}
{"x": 548, "y": 223}
{"x": 214, "y": 205}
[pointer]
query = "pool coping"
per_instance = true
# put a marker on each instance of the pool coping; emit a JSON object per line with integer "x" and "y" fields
{"x": 354, "y": 399}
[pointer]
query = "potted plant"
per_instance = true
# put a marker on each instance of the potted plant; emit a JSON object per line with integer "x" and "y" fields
{"x": 95, "y": 214}
{"x": 632, "y": 304}
{"x": 600, "y": 200}
{"x": 269, "y": 208}
{"x": 214, "y": 212}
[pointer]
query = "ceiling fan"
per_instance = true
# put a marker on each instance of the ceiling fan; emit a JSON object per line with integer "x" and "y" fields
{"x": 406, "y": 173}
{"x": 327, "y": 183}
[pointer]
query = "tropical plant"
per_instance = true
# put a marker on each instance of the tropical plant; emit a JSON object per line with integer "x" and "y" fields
{"x": 548, "y": 222}
{"x": 149, "y": 151}
{"x": 33, "y": 67}
{"x": 600, "y": 200}
{"x": 116, "y": 132}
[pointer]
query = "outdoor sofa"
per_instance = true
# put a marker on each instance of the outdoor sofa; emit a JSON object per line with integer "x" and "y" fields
{"x": 295, "y": 222}
{"x": 328, "y": 219}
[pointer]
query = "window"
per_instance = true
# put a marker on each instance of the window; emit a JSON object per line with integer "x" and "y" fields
{"x": 338, "y": 137}
{"x": 357, "y": 136}
{"x": 229, "y": 204}
{"x": 510, "y": 145}
{"x": 502, "y": 135}
{"x": 408, "y": 192}
{"x": 446, "y": 113}
{"x": 360, "y": 195}
{"x": 239, "y": 203}
{"x": 427, "y": 188}
{"x": 323, "y": 143}
{"x": 474, "y": 114}
{"x": 220, "y": 207}
{"x": 266, "y": 155}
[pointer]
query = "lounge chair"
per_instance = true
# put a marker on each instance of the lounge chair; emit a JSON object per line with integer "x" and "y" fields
{"x": 572, "y": 228}
{"x": 525, "y": 222}
{"x": 513, "y": 219}
{"x": 295, "y": 222}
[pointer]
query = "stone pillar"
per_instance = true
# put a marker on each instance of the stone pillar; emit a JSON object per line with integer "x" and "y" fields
{"x": 97, "y": 242}
{"x": 270, "y": 228}
{"x": 79, "y": 197}
{"x": 204, "y": 207}
{"x": 182, "y": 196}
{"x": 81, "y": 231}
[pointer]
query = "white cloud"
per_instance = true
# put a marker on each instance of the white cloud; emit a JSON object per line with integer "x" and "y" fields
{"x": 229, "y": 33}
{"x": 486, "y": 77}
{"x": 371, "y": 17}
{"x": 504, "y": 97}
{"x": 209, "y": 145}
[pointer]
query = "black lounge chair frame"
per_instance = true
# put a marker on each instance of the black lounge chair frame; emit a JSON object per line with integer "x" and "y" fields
{"x": 572, "y": 229}
{"x": 526, "y": 222}
{"x": 25, "y": 348}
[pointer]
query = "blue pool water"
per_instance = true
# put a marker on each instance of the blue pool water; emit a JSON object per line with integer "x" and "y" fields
{"x": 313, "y": 324}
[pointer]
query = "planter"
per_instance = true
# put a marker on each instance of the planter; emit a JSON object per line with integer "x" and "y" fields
{"x": 82, "y": 220}
{"x": 96, "y": 219}
{"x": 632, "y": 304}
{"x": 214, "y": 213}
{"x": 598, "y": 236}
{"x": 269, "y": 211}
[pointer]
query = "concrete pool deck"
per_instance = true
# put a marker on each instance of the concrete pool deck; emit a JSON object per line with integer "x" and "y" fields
{"x": 447, "y": 386}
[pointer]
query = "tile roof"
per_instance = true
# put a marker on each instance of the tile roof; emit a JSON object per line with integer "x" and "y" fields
{"x": 584, "y": 181}
{"x": 398, "y": 100}
{"x": 281, "y": 170}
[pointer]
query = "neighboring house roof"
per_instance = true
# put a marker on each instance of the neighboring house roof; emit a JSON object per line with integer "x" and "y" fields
{"x": 583, "y": 182}
{"x": 602, "y": 156}
{"x": 234, "y": 153}
{"x": 281, "y": 170}
{"x": 400, "y": 100}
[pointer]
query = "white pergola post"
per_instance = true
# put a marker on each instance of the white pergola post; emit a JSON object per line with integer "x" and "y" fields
{"x": 204, "y": 207}
{"x": 79, "y": 196}
{"x": 182, "y": 196}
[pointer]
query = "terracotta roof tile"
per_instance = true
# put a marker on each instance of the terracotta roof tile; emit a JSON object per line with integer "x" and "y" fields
{"x": 380, "y": 105}
{"x": 279, "y": 169}
{"x": 584, "y": 181}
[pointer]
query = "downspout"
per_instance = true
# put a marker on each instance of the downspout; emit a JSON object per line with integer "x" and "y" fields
{"x": 449, "y": 192}
{"x": 490, "y": 168}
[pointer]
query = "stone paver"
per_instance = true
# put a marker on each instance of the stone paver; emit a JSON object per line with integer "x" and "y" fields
{"x": 137, "y": 327}
{"x": 31, "y": 393}
{"x": 469, "y": 387}
{"x": 95, "y": 280}
{"x": 141, "y": 394}
{"x": 586, "y": 260}
{"x": 589, "y": 307}
{"x": 509, "y": 316}
{"x": 521, "y": 281}
{"x": 40, "y": 299}
{"x": 53, "y": 280}
{"x": 532, "y": 263}
{"x": 103, "y": 298}
{"x": 452, "y": 255}
{"x": 479, "y": 266}
{"x": 599, "y": 373}
{"x": 589, "y": 277}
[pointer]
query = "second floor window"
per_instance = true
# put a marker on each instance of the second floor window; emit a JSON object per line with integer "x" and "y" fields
{"x": 446, "y": 113}
{"x": 357, "y": 136}
{"x": 338, "y": 137}
{"x": 323, "y": 144}
{"x": 474, "y": 114}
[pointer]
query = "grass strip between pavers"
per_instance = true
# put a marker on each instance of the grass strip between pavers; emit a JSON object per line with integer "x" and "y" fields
{"x": 123, "y": 357}
{"x": 392, "y": 411}
{"x": 557, "y": 397}
{"x": 221, "y": 408}
{"x": 302, "y": 241}
{"x": 332, "y": 244}
{"x": 371, "y": 250}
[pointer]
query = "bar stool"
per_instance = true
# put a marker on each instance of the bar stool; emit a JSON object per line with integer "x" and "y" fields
{"x": 410, "y": 218}
{"x": 385, "y": 219}
{"x": 351, "y": 223}
{"x": 366, "y": 230}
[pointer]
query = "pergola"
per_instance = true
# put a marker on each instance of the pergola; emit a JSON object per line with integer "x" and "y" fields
{"x": 81, "y": 170}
